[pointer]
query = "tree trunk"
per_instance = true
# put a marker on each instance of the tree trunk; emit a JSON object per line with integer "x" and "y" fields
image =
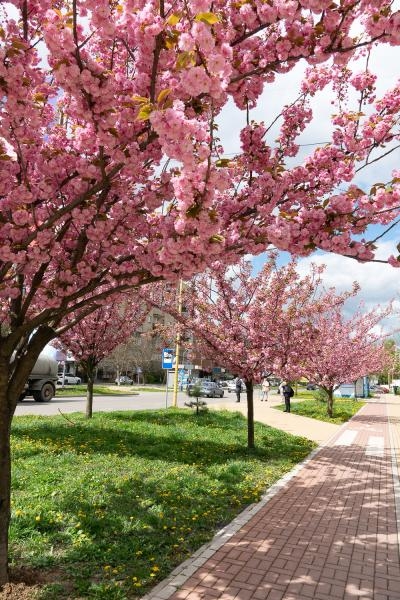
{"x": 89, "y": 398}
{"x": 329, "y": 404}
{"x": 5, "y": 482}
{"x": 90, "y": 373}
{"x": 13, "y": 375}
{"x": 250, "y": 414}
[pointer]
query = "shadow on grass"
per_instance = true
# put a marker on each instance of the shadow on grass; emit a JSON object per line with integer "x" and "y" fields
{"x": 156, "y": 435}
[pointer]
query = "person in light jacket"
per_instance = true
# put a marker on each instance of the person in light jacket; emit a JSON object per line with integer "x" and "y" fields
{"x": 264, "y": 389}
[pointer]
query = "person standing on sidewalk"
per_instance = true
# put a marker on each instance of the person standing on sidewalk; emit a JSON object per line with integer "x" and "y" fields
{"x": 238, "y": 388}
{"x": 264, "y": 389}
{"x": 288, "y": 393}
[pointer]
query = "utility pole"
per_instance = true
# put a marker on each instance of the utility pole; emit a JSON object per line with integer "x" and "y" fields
{"x": 177, "y": 347}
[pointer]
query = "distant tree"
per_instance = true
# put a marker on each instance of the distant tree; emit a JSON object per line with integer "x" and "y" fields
{"x": 251, "y": 325}
{"x": 141, "y": 350}
{"x": 392, "y": 370}
{"x": 95, "y": 336}
{"x": 344, "y": 349}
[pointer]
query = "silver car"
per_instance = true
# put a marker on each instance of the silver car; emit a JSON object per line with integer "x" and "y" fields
{"x": 124, "y": 380}
{"x": 69, "y": 380}
{"x": 209, "y": 389}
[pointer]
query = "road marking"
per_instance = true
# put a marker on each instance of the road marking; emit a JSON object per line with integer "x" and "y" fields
{"x": 347, "y": 438}
{"x": 375, "y": 446}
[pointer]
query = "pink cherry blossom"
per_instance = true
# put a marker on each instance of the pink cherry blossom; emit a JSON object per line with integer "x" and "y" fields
{"x": 97, "y": 334}
{"x": 112, "y": 174}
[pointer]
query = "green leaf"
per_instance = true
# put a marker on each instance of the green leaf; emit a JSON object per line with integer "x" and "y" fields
{"x": 163, "y": 95}
{"x": 207, "y": 17}
{"x": 140, "y": 99}
{"x": 185, "y": 59}
{"x": 173, "y": 19}
{"x": 223, "y": 162}
{"x": 216, "y": 239}
{"x": 145, "y": 112}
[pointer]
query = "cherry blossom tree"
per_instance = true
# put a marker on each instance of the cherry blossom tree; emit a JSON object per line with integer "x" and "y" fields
{"x": 391, "y": 370}
{"x": 251, "y": 325}
{"x": 111, "y": 173}
{"x": 96, "y": 336}
{"x": 344, "y": 349}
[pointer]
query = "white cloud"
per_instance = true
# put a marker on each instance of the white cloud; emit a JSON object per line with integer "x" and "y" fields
{"x": 380, "y": 283}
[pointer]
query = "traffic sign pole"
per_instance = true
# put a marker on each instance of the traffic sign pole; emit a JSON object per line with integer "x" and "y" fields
{"x": 166, "y": 363}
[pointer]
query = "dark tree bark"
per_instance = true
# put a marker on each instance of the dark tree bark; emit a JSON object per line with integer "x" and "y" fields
{"x": 250, "y": 414}
{"x": 89, "y": 398}
{"x": 329, "y": 403}
{"x": 90, "y": 367}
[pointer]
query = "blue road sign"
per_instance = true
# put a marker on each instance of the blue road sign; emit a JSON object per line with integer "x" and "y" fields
{"x": 167, "y": 358}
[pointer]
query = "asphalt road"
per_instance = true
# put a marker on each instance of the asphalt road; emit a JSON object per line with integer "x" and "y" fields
{"x": 143, "y": 400}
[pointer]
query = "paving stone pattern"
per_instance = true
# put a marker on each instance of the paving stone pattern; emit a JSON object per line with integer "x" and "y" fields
{"x": 330, "y": 533}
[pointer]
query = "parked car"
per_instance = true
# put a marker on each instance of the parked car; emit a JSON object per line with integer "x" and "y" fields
{"x": 209, "y": 389}
{"x": 383, "y": 389}
{"x": 311, "y": 386}
{"x": 69, "y": 380}
{"x": 124, "y": 380}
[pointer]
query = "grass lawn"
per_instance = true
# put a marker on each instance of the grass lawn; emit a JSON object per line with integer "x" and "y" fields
{"x": 304, "y": 394}
{"x": 106, "y": 508}
{"x": 105, "y": 390}
{"x": 343, "y": 409}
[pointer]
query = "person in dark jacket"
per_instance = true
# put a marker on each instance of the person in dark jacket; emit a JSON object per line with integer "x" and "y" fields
{"x": 288, "y": 393}
{"x": 238, "y": 388}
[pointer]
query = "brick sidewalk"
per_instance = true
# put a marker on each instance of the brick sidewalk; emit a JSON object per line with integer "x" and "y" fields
{"x": 330, "y": 532}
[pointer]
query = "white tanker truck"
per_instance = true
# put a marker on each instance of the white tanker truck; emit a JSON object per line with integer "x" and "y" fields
{"x": 42, "y": 380}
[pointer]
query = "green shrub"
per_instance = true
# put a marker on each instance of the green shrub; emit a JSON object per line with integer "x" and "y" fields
{"x": 320, "y": 395}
